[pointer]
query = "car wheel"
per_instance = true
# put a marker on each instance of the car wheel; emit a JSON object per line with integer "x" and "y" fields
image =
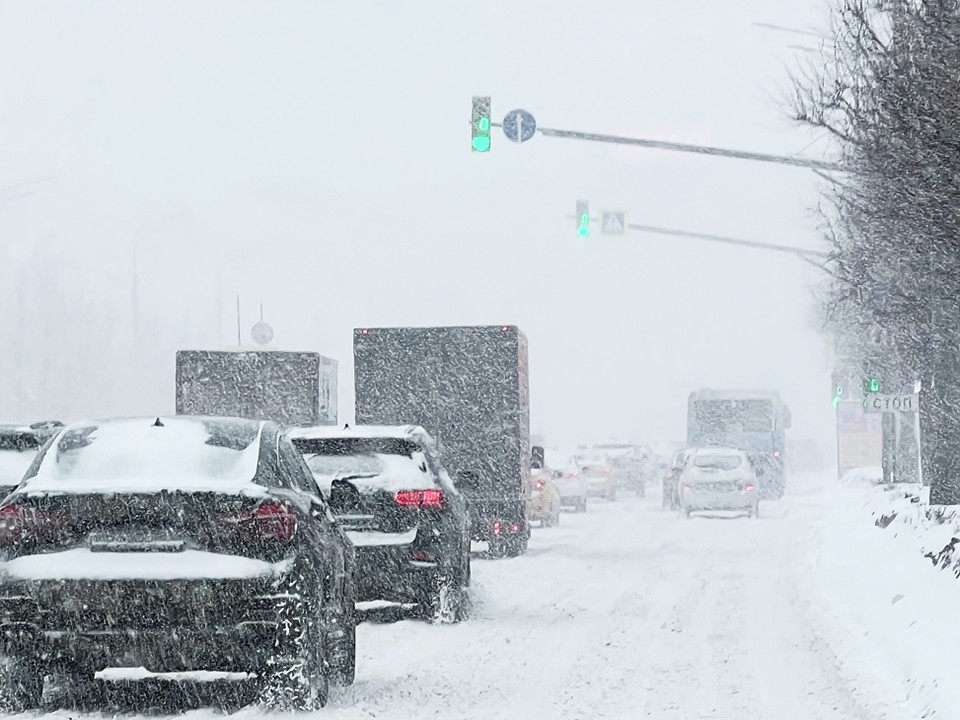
{"x": 295, "y": 678}
{"x": 21, "y": 683}
{"x": 81, "y": 688}
{"x": 556, "y": 516}
{"x": 582, "y": 507}
{"x": 755, "y": 513}
{"x": 343, "y": 655}
{"x": 447, "y": 599}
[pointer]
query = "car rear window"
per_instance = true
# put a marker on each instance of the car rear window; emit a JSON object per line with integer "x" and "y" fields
{"x": 718, "y": 462}
{"x": 139, "y": 453}
{"x": 369, "y": 464}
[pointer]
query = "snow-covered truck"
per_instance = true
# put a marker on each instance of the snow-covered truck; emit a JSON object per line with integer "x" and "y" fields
{"x": 468, "y": 387}
{"x": 291, "y": 388}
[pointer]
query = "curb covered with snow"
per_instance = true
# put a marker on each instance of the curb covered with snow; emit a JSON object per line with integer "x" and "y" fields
{"x": 886, "y": 611}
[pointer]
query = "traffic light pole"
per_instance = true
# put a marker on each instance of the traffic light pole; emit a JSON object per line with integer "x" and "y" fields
{"x": 810, "y": 256}
{"x": 688, "y": 148}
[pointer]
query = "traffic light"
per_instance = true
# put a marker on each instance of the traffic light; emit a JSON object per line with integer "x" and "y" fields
{"x": 871, "y": 385}
{"x": 837, "y": 395}
{"x": 481, "y": 124}
{"x": 583, "y": 218}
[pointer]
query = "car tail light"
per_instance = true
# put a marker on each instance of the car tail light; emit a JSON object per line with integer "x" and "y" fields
{"x": 267, "y": 521}
{"x": 749, "y": 487}
{"x": 687, "y": 488}
{"x": 18, "y": 523}
{"x": 539, "y": 484}
{"x": 420, "y": 498}
{"x": 422, "y": 556}
{"x": 515, "y": 528}
{"x": 776, "y": 454}
{"x": 497, "y": 527}
{"x": 505, "y": 328}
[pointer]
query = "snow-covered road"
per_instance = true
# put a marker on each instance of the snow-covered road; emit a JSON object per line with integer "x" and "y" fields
{"x": 628, "y": 611}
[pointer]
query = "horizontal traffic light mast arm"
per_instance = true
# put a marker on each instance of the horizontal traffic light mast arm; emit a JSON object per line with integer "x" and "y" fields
{"x": 684, "y": 147}
{"x": 810, "y": 255}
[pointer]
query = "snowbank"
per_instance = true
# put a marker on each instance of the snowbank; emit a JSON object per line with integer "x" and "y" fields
{"x": 885, "y": 610}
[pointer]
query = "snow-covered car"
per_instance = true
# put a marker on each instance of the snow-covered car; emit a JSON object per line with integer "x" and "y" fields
{"x": 632, "y": 464}
{"x": 390, "y": 492}
{"x": 174, "y": 544}
{"x": 19, "y": 445}
{"x": 671, "y": 478}
{"x": 568, "y": 479}
{"x": 543, "y": 505}
{"x": 601, "y": 479}
{"x": 719, "y": 479}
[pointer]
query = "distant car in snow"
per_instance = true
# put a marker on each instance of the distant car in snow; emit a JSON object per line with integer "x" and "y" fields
{"x": 568, "y": 478}
{"x": 597, "y": 468}
{"x": 719, "y": 479}
{"x": 175, "y": 544}
{"x": 389, "y": 490}
{"x": 544, "y": 503}
{"x": 632, "y": 464}
{"x": 671, "y": 478}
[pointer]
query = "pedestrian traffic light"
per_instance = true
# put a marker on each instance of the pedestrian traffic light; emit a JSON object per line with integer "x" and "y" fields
{"x": 583, "y": 218}
{"x": 481, "y": 124}
{"x": 837, "y": 395}
{"x": 871, "y": 385}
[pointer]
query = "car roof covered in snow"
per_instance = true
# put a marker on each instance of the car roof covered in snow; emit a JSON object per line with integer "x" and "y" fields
{"x": 323, "y": 432}
{"x": 151, "y": 454}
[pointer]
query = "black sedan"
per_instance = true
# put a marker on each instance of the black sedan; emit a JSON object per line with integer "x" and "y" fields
{"x": 174, "y": 544}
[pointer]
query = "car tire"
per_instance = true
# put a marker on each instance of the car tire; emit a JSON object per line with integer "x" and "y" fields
{"x": 342, "y": 654}
{"x": 295, "y": 678}
{"x": 81, "y": 688}
{"x": 446, "y": 604}
{"x": 582, "y": 506}
{"x": 21, "y": 683}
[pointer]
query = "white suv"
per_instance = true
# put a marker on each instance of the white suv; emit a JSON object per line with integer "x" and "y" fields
{"x": 719, "y": 479}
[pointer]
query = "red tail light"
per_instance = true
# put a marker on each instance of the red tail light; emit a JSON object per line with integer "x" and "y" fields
{"x": 515, "y": 528}
{"x": 268, "y": 521}
{"x": 776, "y": 454}
{"x": 497, "y": 527}
{"x": 539, "y": 484}
{"x": 420, "y": 498}
{"x": 687, "y": 488}
{"x": 749, "y": 487}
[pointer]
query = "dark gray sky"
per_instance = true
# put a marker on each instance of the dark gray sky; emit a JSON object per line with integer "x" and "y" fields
{"x": 315, "y": 156}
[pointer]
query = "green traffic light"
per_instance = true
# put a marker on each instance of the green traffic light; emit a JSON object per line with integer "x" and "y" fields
{"x": 583, "y": 231}
{"x": 481, "y": 143}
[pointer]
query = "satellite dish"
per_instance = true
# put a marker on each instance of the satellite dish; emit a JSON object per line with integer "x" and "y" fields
{"x": 262, "y": 333}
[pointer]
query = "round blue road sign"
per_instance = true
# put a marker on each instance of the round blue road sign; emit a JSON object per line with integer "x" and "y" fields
{"x": 519, "y": 125}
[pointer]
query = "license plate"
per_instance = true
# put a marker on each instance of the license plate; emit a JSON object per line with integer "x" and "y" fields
{"x": 135, "y": 541}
